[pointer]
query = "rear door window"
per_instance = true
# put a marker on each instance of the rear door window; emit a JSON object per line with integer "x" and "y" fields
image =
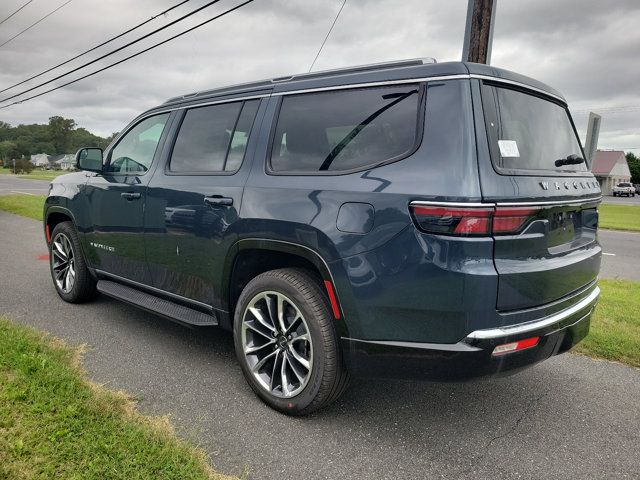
{"x": 345, "y": 130}
{"x": 213, "y": 138}
{"x": 529, "y": 132}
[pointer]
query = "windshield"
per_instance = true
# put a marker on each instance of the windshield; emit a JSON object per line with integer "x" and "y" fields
{"x": 528, "y": 132}
{"x": 624, "y": 184}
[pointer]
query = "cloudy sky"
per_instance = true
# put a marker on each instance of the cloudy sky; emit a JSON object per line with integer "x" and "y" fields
{"x": 587, "y": 49}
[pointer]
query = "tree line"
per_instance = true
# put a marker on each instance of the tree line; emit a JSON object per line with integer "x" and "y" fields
{"x": 634, "y": 167}
{"x": 59, "y": 136}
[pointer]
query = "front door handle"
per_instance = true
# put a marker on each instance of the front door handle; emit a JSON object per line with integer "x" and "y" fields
{"x": 218, "y": 200}
{"x": 130, "y": 195}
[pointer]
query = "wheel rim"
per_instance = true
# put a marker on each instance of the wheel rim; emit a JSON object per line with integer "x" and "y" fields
{"x": 276, "y": 344}
{"x": 63, "y": 263}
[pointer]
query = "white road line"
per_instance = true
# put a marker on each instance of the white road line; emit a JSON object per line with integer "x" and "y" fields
{"x": 23, "y": 193}
{"x": 610, "y": 254}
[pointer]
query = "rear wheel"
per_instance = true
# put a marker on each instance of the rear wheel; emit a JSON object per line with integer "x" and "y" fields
{"x": 69, "y": 271}
{"x": 286, "y": 343}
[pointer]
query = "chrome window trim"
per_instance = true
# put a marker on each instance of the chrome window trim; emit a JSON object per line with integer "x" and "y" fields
{"x": 372, "y": 84}
{"x": 538, "y": 324}
{"x": 516, "y": 84}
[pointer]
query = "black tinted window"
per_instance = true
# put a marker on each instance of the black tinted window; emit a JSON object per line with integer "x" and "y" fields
{"x": 345, "y": 129}
{"x": 207, "y": 141}
{"x": 528, "y": 132}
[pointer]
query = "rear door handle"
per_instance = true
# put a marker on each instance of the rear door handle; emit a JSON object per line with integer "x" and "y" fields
{"x": 130, "y": 195}
{"x": 218, "y": 200}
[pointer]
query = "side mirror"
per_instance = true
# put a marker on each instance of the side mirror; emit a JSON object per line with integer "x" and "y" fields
{"x": 89, "y": 159}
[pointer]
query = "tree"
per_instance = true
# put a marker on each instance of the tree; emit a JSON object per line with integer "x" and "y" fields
{"x": 8, "y": 151}
{"x": 60, "y": 130}
{"x": 634, "y": 167}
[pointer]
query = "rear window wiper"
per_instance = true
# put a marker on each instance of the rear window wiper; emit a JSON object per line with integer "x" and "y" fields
{"x": 572, "y": 159}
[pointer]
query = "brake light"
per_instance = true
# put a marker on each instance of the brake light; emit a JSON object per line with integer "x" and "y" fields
{"x": 453, "y": 221}
{"x": 510, "y": 220}
{"x": 471, "y": 221}
{"x": 515, "y": 346}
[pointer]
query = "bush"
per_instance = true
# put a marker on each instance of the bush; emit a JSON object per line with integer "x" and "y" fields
{"x": 23, "y": 166}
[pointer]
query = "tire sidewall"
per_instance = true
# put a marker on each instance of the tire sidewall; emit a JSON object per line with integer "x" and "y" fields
{"x": 67, "y": 229}
{"x": 293, "y": 405}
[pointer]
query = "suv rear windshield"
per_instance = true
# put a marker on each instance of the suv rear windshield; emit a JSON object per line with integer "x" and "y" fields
{"x": 527, "y": 132}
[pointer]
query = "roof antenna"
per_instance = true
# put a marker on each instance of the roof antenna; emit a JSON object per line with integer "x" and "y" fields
{"x": 328, "y": 33}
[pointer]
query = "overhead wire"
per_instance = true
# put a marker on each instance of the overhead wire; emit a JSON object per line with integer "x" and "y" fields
{"x": 130, "y": 56}
{"x": 327, "y": 36}
{"x": 35, "y": 23}
{"x": 112, "y": 52}
{"x": 1, "y": 22}
{"x": 96, "y": 47}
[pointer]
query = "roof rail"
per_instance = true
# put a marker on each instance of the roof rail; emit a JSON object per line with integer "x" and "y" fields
{"x": 338, "y": 71}
{"x": 411, "y": 62}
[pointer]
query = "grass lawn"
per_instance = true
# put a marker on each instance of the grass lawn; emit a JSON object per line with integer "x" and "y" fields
{"x": 619, "y": 217}
{"x": 26, "y": 205}
{"x": 615, "y": 327}
{"x": 56, "y": 424}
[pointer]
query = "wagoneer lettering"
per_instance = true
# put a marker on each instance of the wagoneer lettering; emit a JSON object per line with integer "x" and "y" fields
{"x": 407, "y": 220}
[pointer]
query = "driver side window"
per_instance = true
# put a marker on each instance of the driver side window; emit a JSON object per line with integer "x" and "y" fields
{"x": 135, "y": 151}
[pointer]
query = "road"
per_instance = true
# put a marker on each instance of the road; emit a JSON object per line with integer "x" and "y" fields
{"x": 621, "y": 254}
{"x": 569, "y": 417}
{"x": 10, "y": 184}
{"x": 621, "y": 200}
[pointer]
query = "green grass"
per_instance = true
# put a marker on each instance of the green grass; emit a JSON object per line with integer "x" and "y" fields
{"x": 47, "y": 175}
{"x": 56, "y": 424}
{"x": 619, "y": 217}
{"x": 26, "y": 205}
{"x": 615, "y": 326}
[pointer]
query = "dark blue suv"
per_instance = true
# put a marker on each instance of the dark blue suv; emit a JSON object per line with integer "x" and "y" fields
{"x": 413, "y": 219}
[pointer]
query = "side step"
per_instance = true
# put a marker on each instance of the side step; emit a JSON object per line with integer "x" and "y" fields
{"x": 166, "y": 308}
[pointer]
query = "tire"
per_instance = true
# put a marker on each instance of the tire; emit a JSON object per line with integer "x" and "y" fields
{"x": 77, "y": 288}
{"x": 308, "y": 387}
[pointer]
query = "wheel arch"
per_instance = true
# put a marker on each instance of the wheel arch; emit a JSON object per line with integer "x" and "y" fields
{"x": 54, "y": 215}
{"x": 253, "y": 256}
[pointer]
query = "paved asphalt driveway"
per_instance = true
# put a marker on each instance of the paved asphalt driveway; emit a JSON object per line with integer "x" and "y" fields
{"x": 10, "y": 184}
{"x": 570, "y": 417}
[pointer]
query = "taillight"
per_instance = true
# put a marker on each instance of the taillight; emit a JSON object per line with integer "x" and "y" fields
{"x": 471, "y": 221}
{"x": 507, "y": 220}
{"x": 453, "y": 221}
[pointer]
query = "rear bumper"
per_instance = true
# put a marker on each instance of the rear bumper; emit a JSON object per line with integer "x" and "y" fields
{"x": 472, "y": 357}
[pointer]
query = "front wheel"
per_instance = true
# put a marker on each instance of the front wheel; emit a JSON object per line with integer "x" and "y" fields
{"x": 69, "y": 271}
{"x": 286, "y": 343}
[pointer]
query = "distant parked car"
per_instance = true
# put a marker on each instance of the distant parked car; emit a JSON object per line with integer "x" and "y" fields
{"x": 624, "y": 188}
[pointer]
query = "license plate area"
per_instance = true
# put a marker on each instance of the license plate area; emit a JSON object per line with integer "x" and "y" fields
{"x": 563, "y": 226}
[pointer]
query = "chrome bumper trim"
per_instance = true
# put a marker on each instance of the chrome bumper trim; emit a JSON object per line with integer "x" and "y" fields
{"x": 518, "y": 329}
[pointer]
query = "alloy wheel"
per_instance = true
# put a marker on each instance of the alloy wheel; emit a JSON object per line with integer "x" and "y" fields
{"x": 277, "y": 344}
{"x": 63, "y": 263}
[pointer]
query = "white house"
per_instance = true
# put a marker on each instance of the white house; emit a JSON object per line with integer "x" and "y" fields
{"x": 610, "y": 168}
{"x": 40, "y": 159}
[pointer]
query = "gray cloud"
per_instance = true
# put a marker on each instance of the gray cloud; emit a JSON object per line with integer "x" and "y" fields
{"x": 587, "y": 49}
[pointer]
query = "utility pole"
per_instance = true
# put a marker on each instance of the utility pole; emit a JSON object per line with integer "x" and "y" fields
{"x": 591, "y": 142}
{"x": 478, "y": 33}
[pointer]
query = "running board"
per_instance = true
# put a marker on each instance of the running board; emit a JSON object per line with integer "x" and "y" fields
{"x": 147, "y": 301}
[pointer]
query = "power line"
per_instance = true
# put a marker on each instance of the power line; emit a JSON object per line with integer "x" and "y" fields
{"x": 131, "y": 56}
{"x": 96, "y": 47}
{"x": 328, "y": 33}
{"x": 16, "y": 12}
{"x": 35, "y": 23}
{"x": 111, "y": 52}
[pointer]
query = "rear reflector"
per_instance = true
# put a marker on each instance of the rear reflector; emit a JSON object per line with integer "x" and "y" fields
{"x": 472, "y": 221}
{"x": 515, "y": 346}
{"x": 332, "y": 299}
